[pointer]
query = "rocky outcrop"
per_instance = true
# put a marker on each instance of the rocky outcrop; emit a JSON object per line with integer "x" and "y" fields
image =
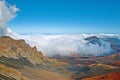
{"x": 17, "y": 49}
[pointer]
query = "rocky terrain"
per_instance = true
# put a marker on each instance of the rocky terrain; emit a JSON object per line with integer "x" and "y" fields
{"x": 83, "y": 67}
{"x": 19, "y": 61}
{"x": 68, "y": 56}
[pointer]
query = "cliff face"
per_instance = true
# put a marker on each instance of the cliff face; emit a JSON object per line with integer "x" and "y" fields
{"x": 16, "y": 54}
{"x": 17, "y": 49}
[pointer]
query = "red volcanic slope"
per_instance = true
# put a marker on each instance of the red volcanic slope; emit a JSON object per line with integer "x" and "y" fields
{"x": 111, "y": 76}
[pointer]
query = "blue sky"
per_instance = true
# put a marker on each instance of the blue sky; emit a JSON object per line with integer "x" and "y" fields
{"x": 66, "y": 16}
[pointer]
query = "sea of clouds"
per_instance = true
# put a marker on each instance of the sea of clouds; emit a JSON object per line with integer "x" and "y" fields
{"x": 68, "y": 44}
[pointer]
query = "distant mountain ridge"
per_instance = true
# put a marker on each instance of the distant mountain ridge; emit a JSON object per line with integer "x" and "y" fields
{"x": 113, "y": 42}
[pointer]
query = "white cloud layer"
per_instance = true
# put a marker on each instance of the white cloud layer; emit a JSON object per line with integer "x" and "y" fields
{"x": 63, "y": 44}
